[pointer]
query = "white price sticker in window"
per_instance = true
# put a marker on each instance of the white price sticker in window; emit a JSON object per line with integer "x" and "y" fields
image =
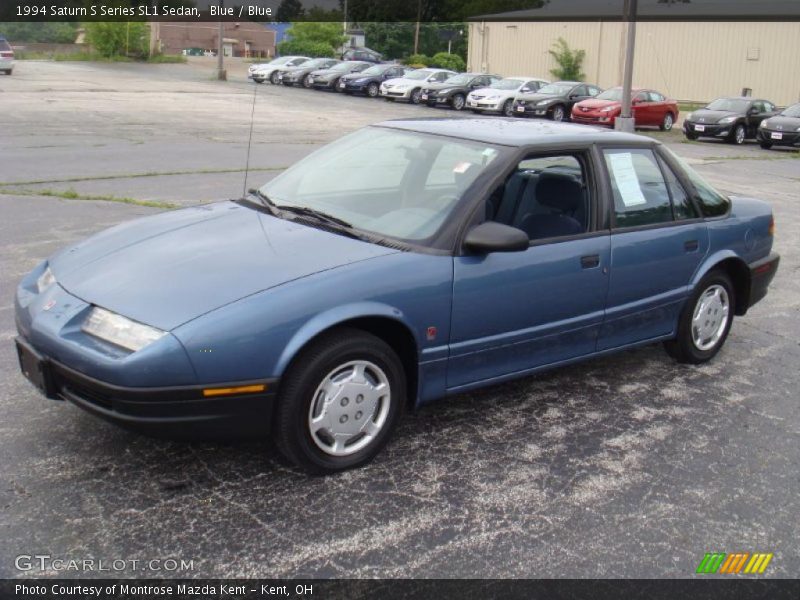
{"x": 625, "y": 177}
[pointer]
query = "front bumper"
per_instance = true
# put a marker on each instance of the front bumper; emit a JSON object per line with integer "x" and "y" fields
{"x": 704, "y": 130}
{"x": 327, "y": 84}
{"x": 483, "y": 105}
{"x": 590, "y": 119}
{"x": 397, "y": 95}
{"x": 762, "y": 272}
{"x": 531, "y": 110}
{"x": 181, "y": 412}
{"x": 787, "y": 138}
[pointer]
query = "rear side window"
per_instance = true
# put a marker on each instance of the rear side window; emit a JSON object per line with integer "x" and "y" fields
{"x": 682, "y": 205}
{"x": 712, "y": 203}
{"x": 640, "y": 193}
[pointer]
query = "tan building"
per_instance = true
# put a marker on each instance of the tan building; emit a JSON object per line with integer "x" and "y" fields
{"x": 244, "y": 38}
{"x": 697, "y": 60}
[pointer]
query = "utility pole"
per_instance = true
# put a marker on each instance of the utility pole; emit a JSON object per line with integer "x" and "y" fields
{"x": 221, "y": 74}
{"x": 155, "y": 32}
{"x": 416, "y": 30}
{"x": 625, "y": 122}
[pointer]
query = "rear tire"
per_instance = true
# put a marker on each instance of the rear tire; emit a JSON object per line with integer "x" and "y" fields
{"x": 705, "y": 321}
{"x": 324, "y": 398}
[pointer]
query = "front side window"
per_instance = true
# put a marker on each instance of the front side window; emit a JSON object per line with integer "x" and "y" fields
{"x": 545, "y": 196}
{"x": 640, "y": 192}
{"x": 385, "y": 181}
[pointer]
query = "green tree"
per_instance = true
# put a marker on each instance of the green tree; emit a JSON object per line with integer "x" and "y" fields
{"x": 48, "y": 33}
{"x": 306, "y": 48}
{"x": 569, "y": 61}
{"x": 316, "y": 32}
{"x": 443, "y": 60}
{"x": 118, "y": 39}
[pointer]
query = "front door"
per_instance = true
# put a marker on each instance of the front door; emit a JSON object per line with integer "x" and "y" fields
{"x": 515, "y": 311}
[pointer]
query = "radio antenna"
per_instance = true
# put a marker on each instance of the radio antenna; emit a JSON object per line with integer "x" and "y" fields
{"x": 250, "y": 139}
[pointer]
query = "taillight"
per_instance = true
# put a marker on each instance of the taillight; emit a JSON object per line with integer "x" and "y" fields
{"x": 771, "y": 229}
{"x": 6, "y": 54}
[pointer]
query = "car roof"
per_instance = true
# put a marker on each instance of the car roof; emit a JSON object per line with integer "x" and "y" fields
{"x": 528, "y": 77}
{"x": 510, "y": 131}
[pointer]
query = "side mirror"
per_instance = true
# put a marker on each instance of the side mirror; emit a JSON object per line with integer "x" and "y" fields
{"x": 495, "y": 237}
{"x": 525, "y": 90}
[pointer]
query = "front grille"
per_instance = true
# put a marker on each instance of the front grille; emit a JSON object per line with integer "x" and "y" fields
{"x": 91, "y": 396}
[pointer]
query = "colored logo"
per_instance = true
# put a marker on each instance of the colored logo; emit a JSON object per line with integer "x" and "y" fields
{"x": 740, "y": 562}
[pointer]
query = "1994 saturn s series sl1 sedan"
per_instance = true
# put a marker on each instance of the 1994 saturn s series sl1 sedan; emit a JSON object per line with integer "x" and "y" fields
{"x": 407, "y": 261}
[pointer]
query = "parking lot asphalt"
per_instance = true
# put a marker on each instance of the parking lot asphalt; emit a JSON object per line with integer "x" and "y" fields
{"x": 624, "y": 466}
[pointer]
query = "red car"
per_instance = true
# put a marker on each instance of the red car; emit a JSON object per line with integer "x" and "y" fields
{"x": 649, "y": 108}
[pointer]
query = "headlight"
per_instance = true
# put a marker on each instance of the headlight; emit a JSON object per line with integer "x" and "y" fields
{"x": 727, "y": 120}
{"x": 445, "y": 91}
{"x": 608, "y": 109}
{"x": 542, "y": 102}
{"x": 798, "y": 129}
{"x": 762, "y": 124}
{"x": 45, "y": 280}
{"x": 120, "y": 330}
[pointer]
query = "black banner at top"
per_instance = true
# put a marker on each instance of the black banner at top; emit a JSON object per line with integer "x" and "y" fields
{"x": 362, "y": 11}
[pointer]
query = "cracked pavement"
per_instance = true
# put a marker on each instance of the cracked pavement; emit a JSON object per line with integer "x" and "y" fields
{"x": 624, "y": 466}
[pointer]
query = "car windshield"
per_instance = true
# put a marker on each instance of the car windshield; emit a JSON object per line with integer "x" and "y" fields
{"x": 316, "y": 62}
{"x": 345, "y": 66}
{"x": 462, "y": 79}
{"x": 729, "y": 104}
{"x": 557, "y": 89}
{"x": 376, "y": 70}
{"x": 506, "y": 84}
{"x": 384, "y": 181}
{"x": 792, "y": 111}
{"x": 421, "y": 74}
{"x": 614, "y": 94}
{"x": 281, "y": 60}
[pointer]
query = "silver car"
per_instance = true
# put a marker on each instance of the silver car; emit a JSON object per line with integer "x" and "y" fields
{"x": 6, "y": 57}
{"x": 260, "y": 73}
{"x": 409, "y": 88}
{"x": 499, "y": 96}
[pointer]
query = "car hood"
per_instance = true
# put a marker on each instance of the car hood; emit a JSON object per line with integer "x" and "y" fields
{"x": 168, "y": 269}
{"x": 538, "y": 97}
{"x": 711, "y": 116}
{"x": 596, "y": 104}
{"x": 404, "y": 81}
{"x": 444, "y": 86}
{"x": 784, "y": 123}
{"x": 326, "y": 72}
{"x": 353, "y": 76}
{"x": 488, "y": 92}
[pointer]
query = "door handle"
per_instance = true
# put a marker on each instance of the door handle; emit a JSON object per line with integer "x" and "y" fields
{"x": 691, "y": 245}
{"x": 590, "y": 262}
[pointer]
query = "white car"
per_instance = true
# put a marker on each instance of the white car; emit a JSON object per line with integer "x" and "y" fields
{"x": 261, "y": 72}
{"x": 408, "y": 88}
{"x": 499, "y": 97}
{"x": 6, "y": 57}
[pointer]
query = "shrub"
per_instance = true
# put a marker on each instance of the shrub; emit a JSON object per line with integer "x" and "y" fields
{"x": 443, "y": 60}
{"x": 306, "y": 48}
{"x": 569, "y": 61}
{"x": 118, "y": 39}
{"x": 417, "y": 60}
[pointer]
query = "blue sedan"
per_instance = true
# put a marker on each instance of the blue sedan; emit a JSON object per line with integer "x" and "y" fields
{"x": 407, "y": 261}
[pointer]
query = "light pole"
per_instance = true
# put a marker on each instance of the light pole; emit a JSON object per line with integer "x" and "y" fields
{"x": 625, "y": 122}
{"x": 221, "y": 74}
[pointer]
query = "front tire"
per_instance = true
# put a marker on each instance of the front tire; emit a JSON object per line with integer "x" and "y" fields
{"x": 705, "y": 320}
{"x": 738, "y": 135}
{"x": 457, "y": 102}
{"x": 691, "y": 136}
{"x": 339, "y": 402}
{"x": 273, "y": 78}
{"x": 508, "y": 108}
{"x": 307, "y": 81}
{"x": 415, "y": 96}
{"x": 667, "y": 123}
{"x": 372, "y": 90}
{"x": 765, "y": 145}
{"x": 558, "y": 114}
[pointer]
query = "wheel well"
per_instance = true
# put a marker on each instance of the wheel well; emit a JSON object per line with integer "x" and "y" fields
{"x": 397, "y": 336}
{"x": 740, "y": 277}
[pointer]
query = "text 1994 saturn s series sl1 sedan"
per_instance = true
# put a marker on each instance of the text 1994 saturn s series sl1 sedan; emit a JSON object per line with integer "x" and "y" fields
{"x": 404, "y": 262}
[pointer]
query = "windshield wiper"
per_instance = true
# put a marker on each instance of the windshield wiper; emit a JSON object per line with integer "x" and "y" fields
{"x": 271, "y": 206}
{"x": 314, "y": 213}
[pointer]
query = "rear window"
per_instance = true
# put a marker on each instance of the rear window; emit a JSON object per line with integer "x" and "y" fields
{"x": 5, "y": 46}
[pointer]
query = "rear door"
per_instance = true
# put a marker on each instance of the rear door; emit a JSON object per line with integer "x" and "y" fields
{"x": 658, "y": 241}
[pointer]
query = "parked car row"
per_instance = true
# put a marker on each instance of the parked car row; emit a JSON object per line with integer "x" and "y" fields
{"x": 733, "y": 119}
